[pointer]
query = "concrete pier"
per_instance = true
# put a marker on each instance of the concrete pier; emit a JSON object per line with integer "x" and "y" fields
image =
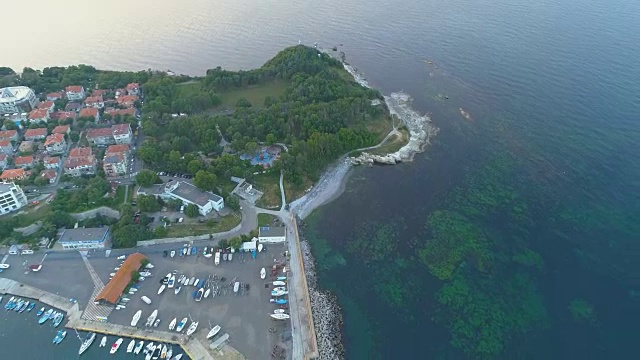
{"x": 8, "y": 286}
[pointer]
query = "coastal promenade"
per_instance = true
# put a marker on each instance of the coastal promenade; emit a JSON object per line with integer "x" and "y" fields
{"x": 8, "y": 286}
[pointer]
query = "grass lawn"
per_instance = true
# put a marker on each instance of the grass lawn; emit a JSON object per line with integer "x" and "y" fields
{"x": 120, "y": 193}
{"x": 293, "y": 192}
{"x": 269, "y": 184}
{"x": 265, "y": 219}
{"x": 254, "y": 93}
{"x": 393, "y": 144}
{"x": 223, "y": 224}
{"x": 381, "y": 126}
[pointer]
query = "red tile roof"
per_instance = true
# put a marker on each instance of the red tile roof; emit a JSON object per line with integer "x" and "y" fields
{"x": 54, "y": 139}
{"x": 99, "y": 132}
{"x": 88, "y": 112}
{"x": 74, "y": 88}
{"x": 80, "y": 152}
{"x": 99, "y": 92}
{"x": 61, "y": 129}
{"x": 115, "y": 287}
{"x": 45, "y": 105}
{"x": 49, "y": 174}
{"x": 51, "y": 160}
{"x": 8, "y": 134}
{"x": 38, "y": 114}
{"x": 117, "y": 149}
{"x": 23, "y": 160}
{"x": 93, "y": 99}
{"x": 127, "y": 99}
{"x": 55, "y": 95}
{"x": 121, "y": 129}
{"x": 11, "y": 174}
{"x": 133, "y": 86}
{"x": 35, "y": 132}
{"x": 5, "y": 143}
{"x": 61, "y": 115}
{"x": 75, "y": 162}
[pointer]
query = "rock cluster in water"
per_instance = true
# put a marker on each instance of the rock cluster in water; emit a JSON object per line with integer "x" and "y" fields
{"x": 327, "y": 317}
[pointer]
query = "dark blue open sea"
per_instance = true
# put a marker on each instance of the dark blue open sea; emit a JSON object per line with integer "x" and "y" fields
{"x": 553, "y": 93}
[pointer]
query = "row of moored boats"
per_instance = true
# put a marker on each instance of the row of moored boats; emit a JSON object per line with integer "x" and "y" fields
{"x": 152, "y": 351}
{"x": 20, "y": 305}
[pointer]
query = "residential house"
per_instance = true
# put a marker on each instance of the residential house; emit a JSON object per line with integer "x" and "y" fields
{"x": 75, "y": 93}
{"x": 47, "y": 105}
{"x": 50, "y": 175}
{"x": 80, "y": 166}
{"x": 122, "y": 112}
{"x": 120, "y": 92}
{"x": 55, "y": 144}
{"x": 26, "y": 146}
{"x": 10, "y": 175}
{"x": 73, "y": 106}
{"x": 11, "y": 135}
{"x": 62, "y": 129}
{"x": 55, "y": 96}
{"x": 122, "y": 133}
{"x": 11, "y": 198}
{"x": 92, "y": 113}
{"x": 133, "y": 89}
{"x": 6, "y": 147}
{"x": 127, "y": 100}
{"x": 115, "y": 160}
{"x": 35, "y": 134}
{"x": 39, "y": 115}
{"x": 80, "y": 152}
{"x": 100, "y": 92}
{"x": 52, "y": 162}
{"x": 3, "y": 161}
{"x": 24, "y": 161}
{"x": 206, "y": 201}
{"x": 100, "y": 136}
{"x": 63, "y": 115}
{"x": 94, "y": 101}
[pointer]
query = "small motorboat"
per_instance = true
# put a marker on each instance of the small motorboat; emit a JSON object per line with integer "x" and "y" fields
{"x": 162, "y": 287}
{"x": 169, "y": 352}
{"x": 4, "y": 266}
{"x": 59, "y": 337}
{"x": 136, "y": 318}
{"x": 260, "y": 247}
{"x": 87, "y": 342}
{"x": 282, "y": 278}
{"x": 181, "y": 324}
{"x": 279, "y": 283}
{"x": 58, "y": 319}
{"x": 116, "y": 346}
{"x": 131, "y": 345}
{"x": 171, "y": 281}
{"x": 156, "y": 323}
{"x": 24, "y": 306}
{"x": 103, "y": 342}
{"x": 173, "y": 253}
{"x": 138, "y": 347}
{"x": 278, "y": 311}
{"x": 192, "y": 328}
{"x": 40, "y": 312}
{"x": 279, "y": 301}
{"x": 279, "y": 292}
{"x": 263, "y": 273}
{"x": 151, "y": 348}
{"x": 224, "y": 257}
{"x": 282, "y": 316}
{"x": 31, "y": 306}
{"x": 172, "y": 325}
{"x": 151, "y": 318}
{"x": 45, "y": 316}
{"x": 199, "y": 294}
{"x": 213, "y": 332}
{"x": 178, "y": 357}
{"x": 146, "y": 300}
{"x": 207, "y": 293}
{"x": 236, "y": 287}
{"x": 192, "y": 281}
{"x": 163, "y": 352}
{"x": 177, "y": 290}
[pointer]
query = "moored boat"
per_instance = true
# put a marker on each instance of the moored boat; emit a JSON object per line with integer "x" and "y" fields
{"x": 279, "y": 292}
{"x": 278, "y": 311}
{"x": 236, "y": 286}
{"x": 88, "y": 340}
{"x": 31, "y": 306}
{"x": 177, "y": 290}
{"x": 178, "y": 357}
{"x": 213, "y": 332}
{"x": 279, "y": 301}
{"x": 172, "y": 325}
{"x": 173, "y": 253}
{"x": 282, "y": 278}
{"x": 131, "y": 345}
{"x": 138, "y": 347}
{"x": 199, "y": 294}
{"x": 169, "y": 352}
{"x": 59, "y": 337}
{"x": 58, "y": 319}
{"x": 162, "y": 287}
{"x": 116, "y": 346}
{"x": 45, "y": 316}
{"x": 207, "y": 293}
{"x": 152, "y": 318}
{"x": 163, "y": 352}
{"x": 263, "y": 273}
{"x": 260, "y": 247}
{"x": 40, "y": 312}
{"x": 279, "y": 283}
{"x": 151, "y": 348}
{"x": 24, "y": 306}
{"x": 156, "y": 323}
{"x": 103, "y": 342}
{"x": 172, "y": 281}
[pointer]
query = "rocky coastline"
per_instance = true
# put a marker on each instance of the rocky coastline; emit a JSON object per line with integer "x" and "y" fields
{"x": 327, "y": 315}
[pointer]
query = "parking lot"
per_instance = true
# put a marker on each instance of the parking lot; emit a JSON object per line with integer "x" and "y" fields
{"x": 244, "y": 315}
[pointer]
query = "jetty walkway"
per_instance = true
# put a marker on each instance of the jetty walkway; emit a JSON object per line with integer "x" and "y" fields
{"x": 8, "y": 286}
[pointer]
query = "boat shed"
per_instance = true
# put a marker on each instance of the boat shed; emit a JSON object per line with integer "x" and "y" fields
{"x": 272, "y": 234}
{"x": 115, "y": 287}
{"x": 249, "y": 245}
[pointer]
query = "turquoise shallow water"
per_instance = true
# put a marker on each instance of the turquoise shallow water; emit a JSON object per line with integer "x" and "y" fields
{"x": 553, "y": 84}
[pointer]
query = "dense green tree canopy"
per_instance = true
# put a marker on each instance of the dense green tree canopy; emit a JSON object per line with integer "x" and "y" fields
{"x": 146, "y": 178}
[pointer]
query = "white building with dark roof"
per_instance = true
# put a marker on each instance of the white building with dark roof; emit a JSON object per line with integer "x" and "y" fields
{"x": 206, "y": 201}
{"x": 85, "y": 238}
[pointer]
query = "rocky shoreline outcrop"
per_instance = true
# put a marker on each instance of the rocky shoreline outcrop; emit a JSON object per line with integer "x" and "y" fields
{"x": 327, "y": 316}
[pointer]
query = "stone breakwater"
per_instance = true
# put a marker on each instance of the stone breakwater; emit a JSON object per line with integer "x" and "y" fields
{"x": 327, "y": 316}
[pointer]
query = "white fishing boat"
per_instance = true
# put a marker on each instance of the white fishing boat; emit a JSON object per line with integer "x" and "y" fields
{"x": 136, "y": 318}
{"x": 236, "y": 287}
{"x": 131, "y": 345}
{"x": 146, "y": 300}
{"x": 116, "y": 346}
{"x": 260, "y": 247}
{"x": 192, "y": 328}
{"x": 279, "y": 316}
{"x": 279, "y": 283}
{"x": 152, "y": 318}
{"x": 162, "y": 287}
{"x": 177, "y": 290}
{"x": 181, "y": 324}
{"x": 263, "y": 273}
{"x": 172, "y": 325}
{"x": 138, "y": 347}
{"x": 86, "y": 343}
{"x": 278, "y": 311}
{"x": 207, "y": 293}
{"x": 173, "y": 253}
{"x": 103, "y": 342}
{"x": 213, "y": 332}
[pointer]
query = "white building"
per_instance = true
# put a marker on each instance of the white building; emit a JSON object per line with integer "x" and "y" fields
{"x": 75, "y": 93}
{"x": 206, "y": 201}
{"x": 272, "y": 234}
{"x": 11, "y": 198}
{"x": 17, "y": 99}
